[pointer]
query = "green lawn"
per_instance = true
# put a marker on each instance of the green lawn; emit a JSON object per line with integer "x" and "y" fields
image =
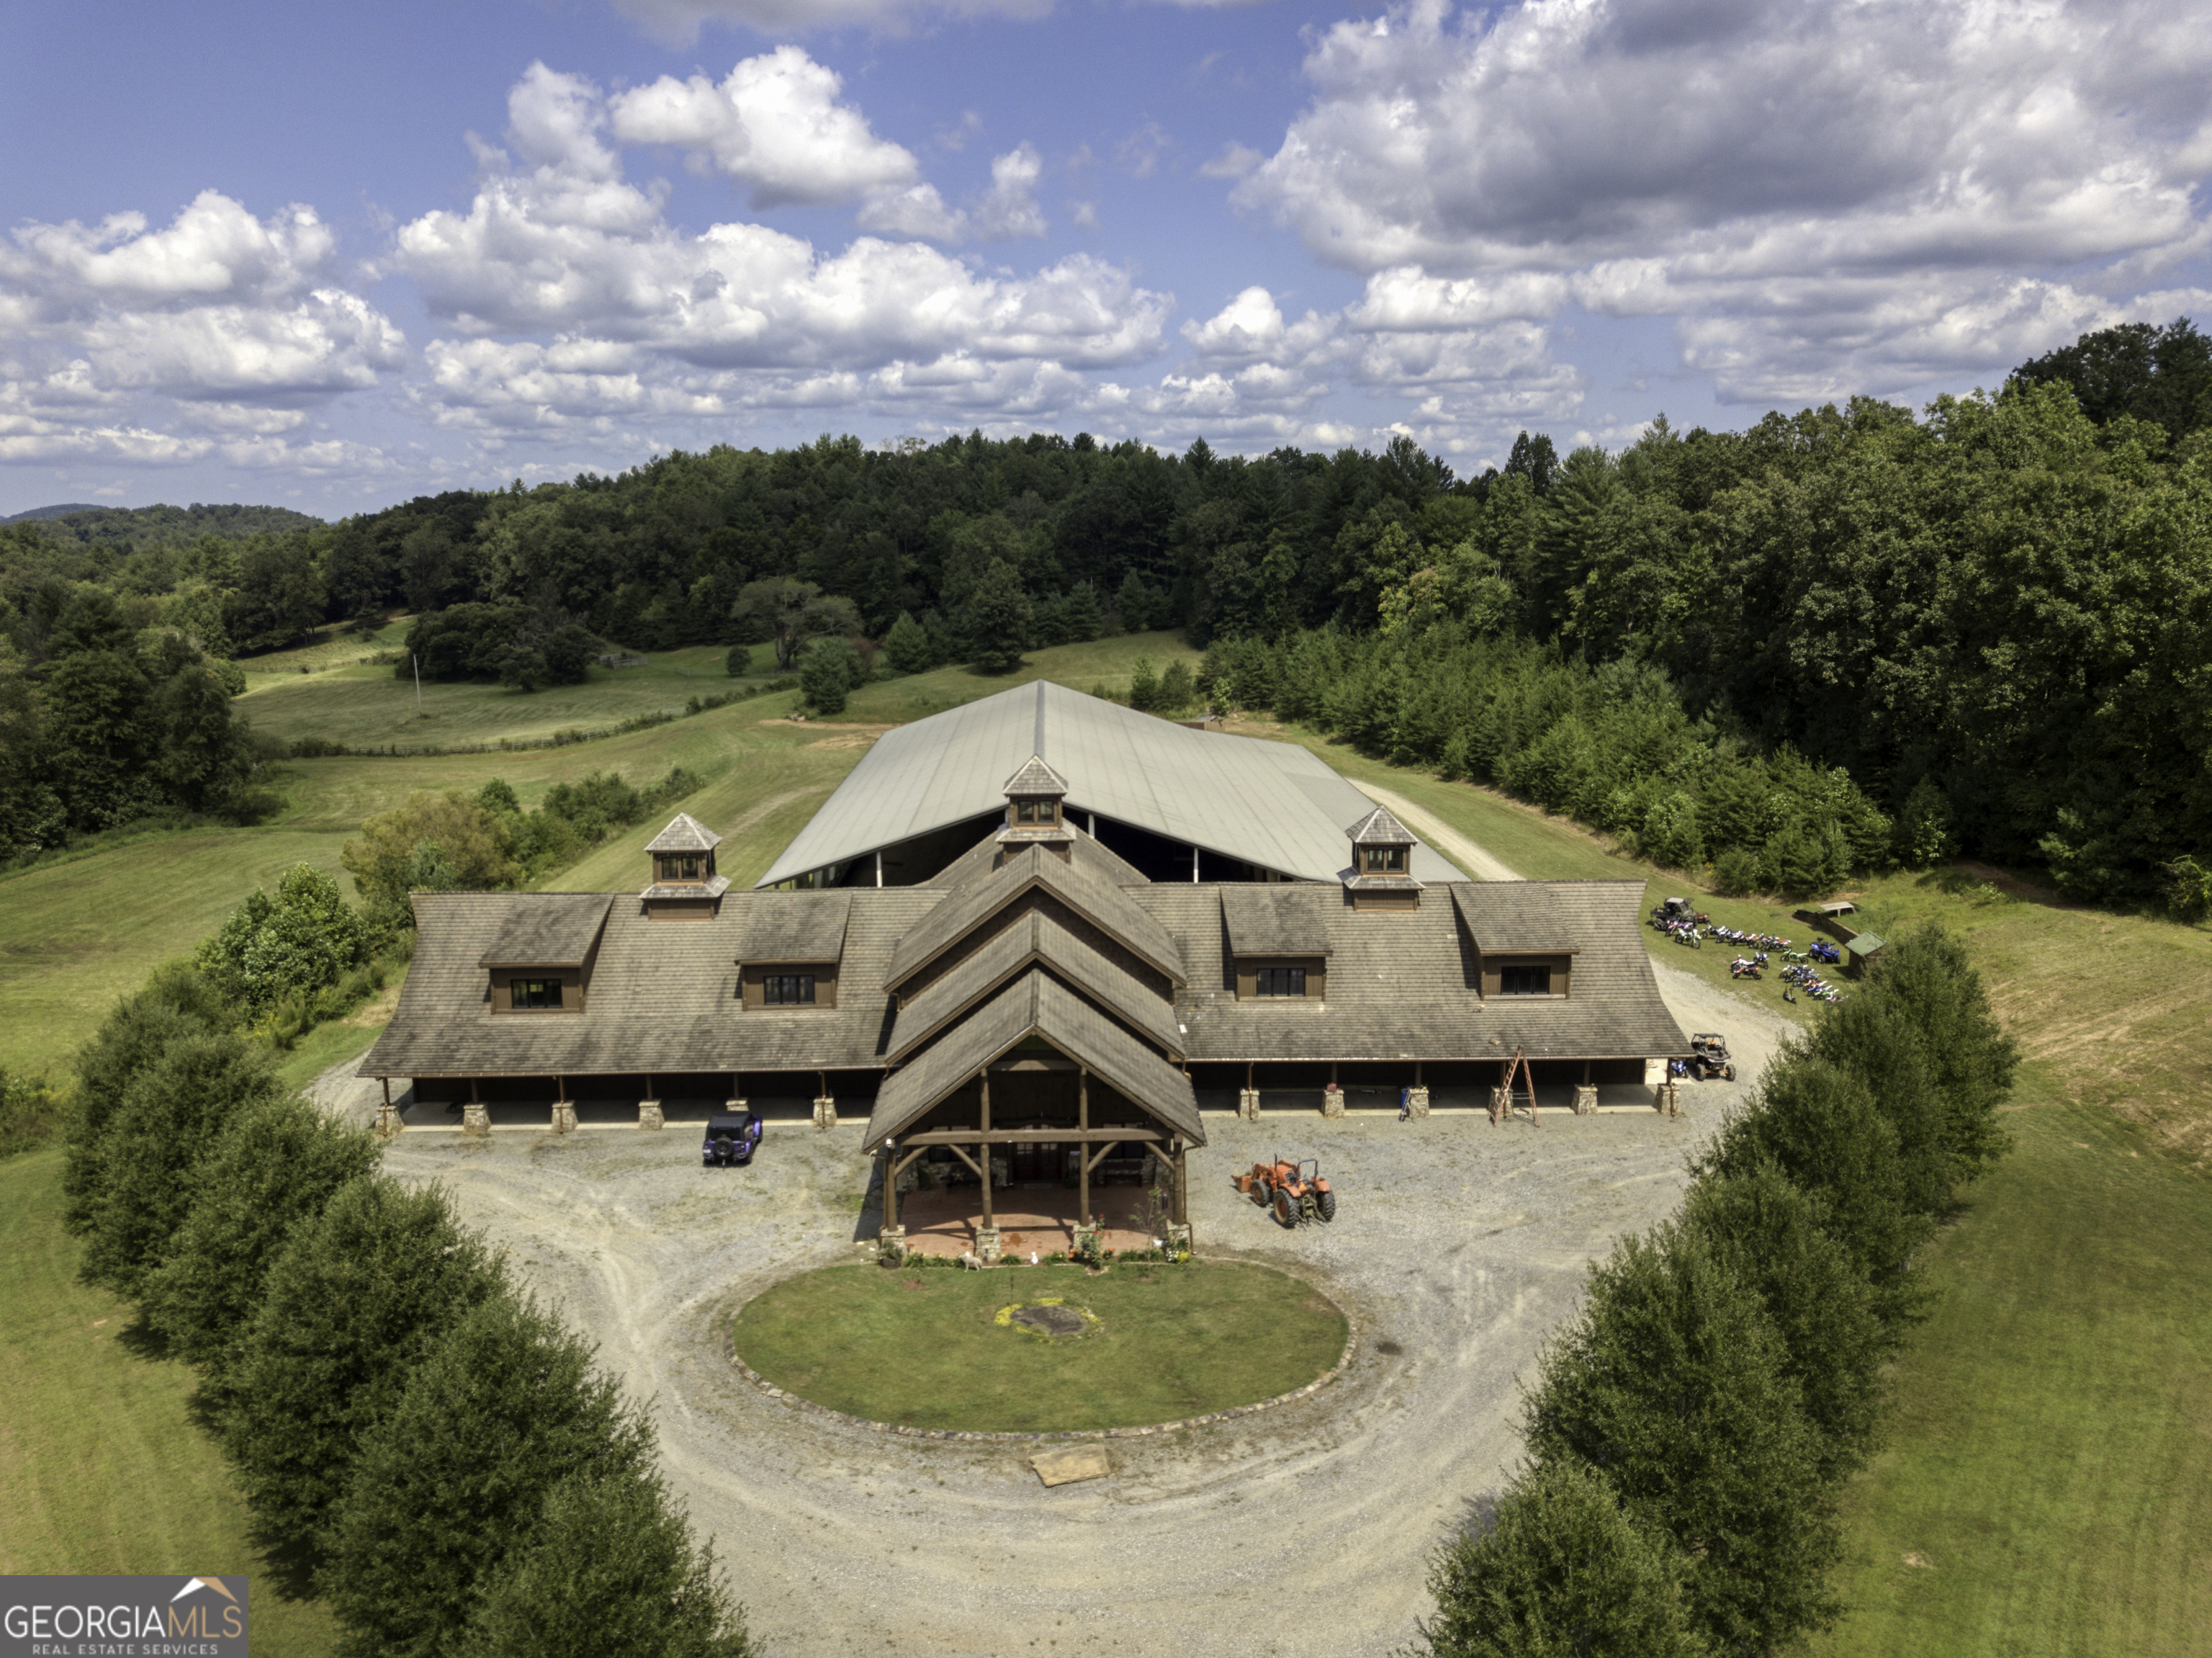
{"x": 922, "y": 1347}
{"x": 2051, "y": 1455}
{"x": 363, "y": 706}
{"x": 101, "y": 1467}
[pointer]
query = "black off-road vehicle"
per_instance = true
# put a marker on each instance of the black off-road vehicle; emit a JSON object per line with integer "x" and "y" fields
{"x": 731, "y": 1138}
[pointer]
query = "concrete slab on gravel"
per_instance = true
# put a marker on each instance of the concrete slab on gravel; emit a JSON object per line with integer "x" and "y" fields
{"x": 1066, "y": 1467}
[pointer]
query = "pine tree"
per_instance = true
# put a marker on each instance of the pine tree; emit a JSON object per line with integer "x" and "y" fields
{"x": 1081, "y": 620}
{"x": 355, "y": 1300}
{"x": 505, "y": 1407}
{"x": 999, "y": 615}
{"x": 1674, "y": 1384}
{"x": 1928, "y": 975}
{"x": 1136, "y": 605}
{"x": 1821, "y": 1128}
{"x": 170, "y": 1122}
{"x": 1775, "y": 1238}
{"x": 1563, "y": 1573}
{"x": 611, "y": 1572}
{"x": 824, "y": 677}
{"x": 907, "y": 645}
{"x": 1143, "y": 686}
{"x": 276, "y": 1165}
{"x": 177, "y": 1002}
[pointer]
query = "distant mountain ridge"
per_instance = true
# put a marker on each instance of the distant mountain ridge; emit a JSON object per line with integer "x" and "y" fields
{"x": 160, "y": 526}
{"x": 38, "y": 512}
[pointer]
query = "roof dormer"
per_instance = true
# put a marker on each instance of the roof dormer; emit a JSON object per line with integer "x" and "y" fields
{"x": 1035, "y": 796}
{"x": 684, "y": 885}
{"x": 1381, "y": 872}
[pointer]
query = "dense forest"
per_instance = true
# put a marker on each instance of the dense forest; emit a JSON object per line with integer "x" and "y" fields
{"x": 1995, "y": 617}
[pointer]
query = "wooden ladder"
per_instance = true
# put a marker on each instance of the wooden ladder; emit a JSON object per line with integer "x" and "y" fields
{"x": 1503, "y": 1107}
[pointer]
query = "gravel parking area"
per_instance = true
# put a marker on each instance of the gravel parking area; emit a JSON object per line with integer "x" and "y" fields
{"x": 1305, "y": 1529}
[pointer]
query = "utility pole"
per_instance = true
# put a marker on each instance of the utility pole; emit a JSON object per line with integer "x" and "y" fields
{"x": 417, "y": 661}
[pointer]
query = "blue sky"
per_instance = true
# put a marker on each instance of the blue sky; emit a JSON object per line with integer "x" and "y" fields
{"x": 332, "y": 258}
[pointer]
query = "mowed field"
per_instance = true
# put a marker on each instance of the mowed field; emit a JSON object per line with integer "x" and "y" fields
{"x": 2051, "y": 1457}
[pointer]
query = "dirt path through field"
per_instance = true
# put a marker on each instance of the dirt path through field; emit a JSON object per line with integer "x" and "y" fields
{"x": 1439, "y": 834}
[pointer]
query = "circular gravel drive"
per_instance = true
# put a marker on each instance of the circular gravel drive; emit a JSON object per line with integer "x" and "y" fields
{"x": 1303, "y": 1529}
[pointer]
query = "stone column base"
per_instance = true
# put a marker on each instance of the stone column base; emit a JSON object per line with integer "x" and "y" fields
{"x": 1332, "y": 1101}
{"x": 648, "y": 1114}
{"x": 1080, "y": 1236}
{"x": 986, "y": 1245}
{"x": 564, "y": 1116}
{"x": 1248, "y": 1104}
{"x": 387, "y": 1120}
{"x": 476, "y": 1118}
{"x": 1499, "y": 1104}
{"x": 1664, "y": 1098}
{"x": 890, "y": 1242}
{"x": 1585, "y": 1099}
{"x": 825, "y": 1113}
{"x": 1417, "y": 1102}
{"x": 1179, "y": 1236}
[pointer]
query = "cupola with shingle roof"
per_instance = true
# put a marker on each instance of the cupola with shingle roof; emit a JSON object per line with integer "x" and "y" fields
{"x": 1380, "y": 877}
{"x": 684, "y": 885}
{"x": 1034, "y": 794}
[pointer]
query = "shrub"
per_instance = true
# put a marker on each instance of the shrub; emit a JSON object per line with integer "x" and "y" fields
{"x": 610, "y": 1568}
{"x": 30, "y": 1114}
{"x": 355, "y": 1299}
{"x": 1674, "y": 1384}
{"x": 299, "y": 942}
{"x": 442, "y": 841}
{"x": 168, "y": 1123}
{"x": 1735, "y": 873}
{"x": 276, "y": 1165}
{"x": 1562, "y": 1572}
{"x": 738, "y": 663}
{"x": 504, "y": 1407}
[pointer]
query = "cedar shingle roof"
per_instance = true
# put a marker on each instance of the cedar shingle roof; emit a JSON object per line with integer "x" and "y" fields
{"x": 684, "y": 833}
{"x": 1511, "y": 916}
{"x": 964, "y": 909}
{"x": 1288, "y": 920}
{"x": 798, "y": 927}
{"x": 1379, "y": 828}
{"x": 1036, "y": 778}
{"x": 1034, "y": 938}
{"x": 1402, "y": 985}
{"x": 547, "y": 929}
{"x": 1040, "y": 1003}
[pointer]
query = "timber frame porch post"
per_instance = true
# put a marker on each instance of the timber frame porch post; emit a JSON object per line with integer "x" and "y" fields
{"x": 1083, "y": 1145}
{"x": 983, "y": 1147}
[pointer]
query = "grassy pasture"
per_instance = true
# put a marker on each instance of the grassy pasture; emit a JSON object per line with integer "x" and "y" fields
{"x": 922, "y": 1348}
{"x": 101, "y": 1467}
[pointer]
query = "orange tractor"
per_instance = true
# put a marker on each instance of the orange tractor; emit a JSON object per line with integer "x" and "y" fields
{"x": 1295, "y": 1192}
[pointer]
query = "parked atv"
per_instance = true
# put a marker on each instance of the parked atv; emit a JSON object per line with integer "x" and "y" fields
{"x": 731, "y": 1139}
{"x": 1709, "y": 1056}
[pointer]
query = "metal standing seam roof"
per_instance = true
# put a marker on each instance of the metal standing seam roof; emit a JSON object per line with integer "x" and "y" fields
{"x": 1036, "y": 1003}
{"x": 1272, "y": 805}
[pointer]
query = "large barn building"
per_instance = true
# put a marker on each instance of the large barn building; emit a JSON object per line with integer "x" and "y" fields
{"x": 1041, "y": 934}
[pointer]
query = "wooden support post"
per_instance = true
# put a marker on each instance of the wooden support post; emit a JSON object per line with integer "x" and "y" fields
{"x": 1082, "y": 1162}
{"x": 1182, "y": 1186}
{"x": 983, "y": 1148}
{"x": 891, "y": 1184}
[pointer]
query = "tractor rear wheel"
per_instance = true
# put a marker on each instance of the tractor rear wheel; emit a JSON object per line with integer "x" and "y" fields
{"x": 1285, "y": 1211}
{"x": 1327, "y": 1203}
{"x": 1263, "y": 1193}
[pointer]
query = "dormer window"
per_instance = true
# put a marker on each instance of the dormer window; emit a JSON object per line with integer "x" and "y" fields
{"x": 1381, "y": 872}
{"x": 787, "y": 989}
{"x": 1033, "y": 815}
{"x": 1523, "y": 980}
{"x": 1279, "y": 981}
{"x": 1384, "y": 860}
{"x": 1045, "y": 811}
{"x": 539, "y": 994}
{"x": 683, "y": 866}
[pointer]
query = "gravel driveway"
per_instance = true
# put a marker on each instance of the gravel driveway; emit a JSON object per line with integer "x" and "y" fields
{"x": 1302, "y": 1530}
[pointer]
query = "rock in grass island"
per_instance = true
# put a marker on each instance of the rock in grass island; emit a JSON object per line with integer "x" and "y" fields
{"x": 1141, "y": 1344}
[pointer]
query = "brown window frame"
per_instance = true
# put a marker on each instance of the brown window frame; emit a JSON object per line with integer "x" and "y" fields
{"x": 1541, "y": 973}
{"x": 1386, "y": 860}
{"x": 534, "y": 995}
{"x": 801, "y": 986}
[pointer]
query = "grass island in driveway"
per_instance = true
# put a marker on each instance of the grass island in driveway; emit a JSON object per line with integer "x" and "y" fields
{"x": 937, "y": 1348}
